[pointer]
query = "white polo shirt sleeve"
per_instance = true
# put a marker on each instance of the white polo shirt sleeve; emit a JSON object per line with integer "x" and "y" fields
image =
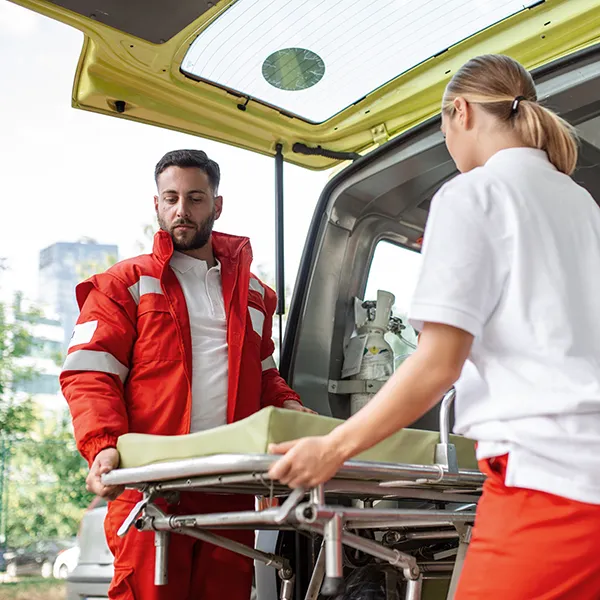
{"x": 462, "y": 272}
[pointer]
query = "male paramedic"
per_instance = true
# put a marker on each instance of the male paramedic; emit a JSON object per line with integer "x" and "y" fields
{"x": 169, "y": 343}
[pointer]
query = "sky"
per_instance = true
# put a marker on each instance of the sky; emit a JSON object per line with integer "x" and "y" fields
{"x": 68, "y": 174}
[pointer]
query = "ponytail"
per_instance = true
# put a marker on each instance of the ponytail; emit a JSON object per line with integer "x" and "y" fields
{"x": 541, "y": 128}
{"x": 505, "y": 89}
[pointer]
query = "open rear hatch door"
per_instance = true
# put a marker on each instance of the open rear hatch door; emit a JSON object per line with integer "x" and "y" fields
{"x": 326, "y": 80}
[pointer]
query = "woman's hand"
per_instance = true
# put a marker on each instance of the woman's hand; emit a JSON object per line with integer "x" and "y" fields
{"x": 307, "y": 462}
{"x": 414, "y": 388}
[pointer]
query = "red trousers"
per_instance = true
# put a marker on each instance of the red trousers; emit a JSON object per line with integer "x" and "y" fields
{"x": 196, "y": 570}
{"x": 529, "y": 545}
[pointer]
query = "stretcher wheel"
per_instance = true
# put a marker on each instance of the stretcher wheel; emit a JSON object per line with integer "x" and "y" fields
{"x": 333, "y": 586}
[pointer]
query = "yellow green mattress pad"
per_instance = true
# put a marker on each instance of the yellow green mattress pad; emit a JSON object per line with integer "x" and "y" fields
{"x": 273, "y": 425}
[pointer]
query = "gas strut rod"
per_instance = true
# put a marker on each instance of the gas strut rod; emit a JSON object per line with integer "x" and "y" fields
{"x": 279, "y": 236}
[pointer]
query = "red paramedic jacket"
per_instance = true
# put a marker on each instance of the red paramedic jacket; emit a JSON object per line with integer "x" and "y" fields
{"x": 129, "y": 363}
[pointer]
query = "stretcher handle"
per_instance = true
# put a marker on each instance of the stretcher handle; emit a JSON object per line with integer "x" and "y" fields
{"x": 445, "y": 452}
{"x": 445, "y": 412}
{"x": 131, "y": 518}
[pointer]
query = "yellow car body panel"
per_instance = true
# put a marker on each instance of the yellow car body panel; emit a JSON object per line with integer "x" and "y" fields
{"x": 124, "y": 76}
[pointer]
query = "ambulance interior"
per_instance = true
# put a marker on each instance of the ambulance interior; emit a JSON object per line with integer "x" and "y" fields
{"x": 367, "y": 226}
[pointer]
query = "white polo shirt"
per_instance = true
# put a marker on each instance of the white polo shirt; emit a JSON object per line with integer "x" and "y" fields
{"x": 208, "y": 323}
{"x": 512, "y": 255}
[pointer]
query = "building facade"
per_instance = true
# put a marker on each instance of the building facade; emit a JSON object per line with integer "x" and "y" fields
{"x": 62, "y": 266}
{"x": 39, "y": 367}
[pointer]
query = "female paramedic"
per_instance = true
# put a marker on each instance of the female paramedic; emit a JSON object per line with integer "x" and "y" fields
{"x": 509, "y": 300}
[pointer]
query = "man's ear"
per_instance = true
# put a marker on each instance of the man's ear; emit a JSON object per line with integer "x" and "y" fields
{"x": 156, "y": 204}
{"x": 218, "y": 206}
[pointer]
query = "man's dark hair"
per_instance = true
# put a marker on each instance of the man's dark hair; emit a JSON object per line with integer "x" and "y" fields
{"x": 190, "y": 159}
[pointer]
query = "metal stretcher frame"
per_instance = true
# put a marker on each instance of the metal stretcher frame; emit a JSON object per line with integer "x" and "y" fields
{"x": 441, "y": 485}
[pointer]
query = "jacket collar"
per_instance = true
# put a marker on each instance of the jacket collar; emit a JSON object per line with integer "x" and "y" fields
{"x": 226, "y": 247}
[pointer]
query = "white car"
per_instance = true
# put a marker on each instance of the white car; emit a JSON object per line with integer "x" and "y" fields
{"x": 65, "y": 562}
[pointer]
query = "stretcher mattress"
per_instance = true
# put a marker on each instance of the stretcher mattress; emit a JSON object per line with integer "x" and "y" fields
{"x": 273, "y": 425}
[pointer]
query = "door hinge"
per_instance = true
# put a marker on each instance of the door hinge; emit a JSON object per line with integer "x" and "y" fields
{"x": 380, "y": 134}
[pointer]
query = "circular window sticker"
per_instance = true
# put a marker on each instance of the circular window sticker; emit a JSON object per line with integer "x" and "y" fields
{"x": 293, "y": 69}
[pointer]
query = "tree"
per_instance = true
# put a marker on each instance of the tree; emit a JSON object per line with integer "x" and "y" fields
{"x": 42, "y": 476}
{"x": 15, "y": 342}
{"x": 47, "y": 494}
{"x": 88, "y": 268}
{"x": 16, "y": 415}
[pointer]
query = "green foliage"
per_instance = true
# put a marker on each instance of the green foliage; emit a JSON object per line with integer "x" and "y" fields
{"x": 46, "y": 493}
{"x": 16, "y": 417}
{"x": 42, "y": 476}
{"x": 58, "y": 358}
{"x": 15, "y": 342}
{"x": 88, "y": 268}
{"x": 32, "y": 588}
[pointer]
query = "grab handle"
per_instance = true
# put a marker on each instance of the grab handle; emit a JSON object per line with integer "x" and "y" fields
{"x": 445, "y": 452}
{"x": 445, "y": 412}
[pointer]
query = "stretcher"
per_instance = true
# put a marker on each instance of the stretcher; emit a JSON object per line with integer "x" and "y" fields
{"x": 407, "y": 504}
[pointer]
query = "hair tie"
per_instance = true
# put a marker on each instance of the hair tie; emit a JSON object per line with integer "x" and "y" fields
{"x": 515, "y": 104}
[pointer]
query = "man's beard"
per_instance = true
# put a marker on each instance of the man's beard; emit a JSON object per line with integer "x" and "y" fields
{"x": 200, "y": 238}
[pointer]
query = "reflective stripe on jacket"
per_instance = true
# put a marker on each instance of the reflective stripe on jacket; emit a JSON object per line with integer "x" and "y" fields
{"x": 129, "y": 363}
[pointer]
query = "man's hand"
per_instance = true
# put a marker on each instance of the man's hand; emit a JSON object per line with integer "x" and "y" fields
{"x": 295, "y": 405}
{"x": 106, "y": 460}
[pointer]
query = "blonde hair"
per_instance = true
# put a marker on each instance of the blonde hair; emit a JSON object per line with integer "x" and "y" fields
{"x": 505, "y": 89}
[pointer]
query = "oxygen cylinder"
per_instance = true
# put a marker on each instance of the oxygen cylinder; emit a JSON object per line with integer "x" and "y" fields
{"x": 378, "y": 357}
{"x": 402, "y": 340}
